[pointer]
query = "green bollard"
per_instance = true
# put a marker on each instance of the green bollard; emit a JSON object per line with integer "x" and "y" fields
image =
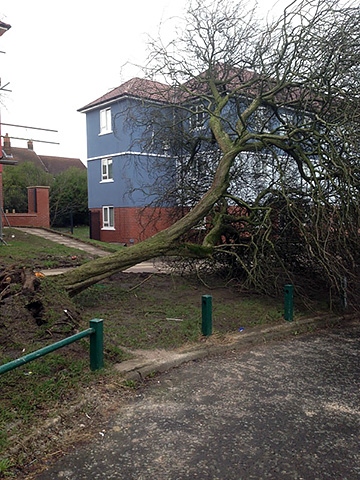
{"x": 289, "y": 302}
{"x": 206, "y": 315}
{"x": 96, "y": 344}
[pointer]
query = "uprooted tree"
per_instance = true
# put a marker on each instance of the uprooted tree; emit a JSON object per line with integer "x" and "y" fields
{"x": 275, "y": 111}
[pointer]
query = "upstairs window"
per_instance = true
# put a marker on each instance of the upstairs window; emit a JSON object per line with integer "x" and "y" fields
{"x": 108, "y": 217}
{"x": 106, "y": 169}
{"x": 105, "y": 121}
{"x": 197, "y": 118}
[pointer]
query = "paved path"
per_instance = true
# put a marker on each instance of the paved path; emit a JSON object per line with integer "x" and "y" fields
{"x": 286, "y": 410}
{"x": 144, "y": 267}
{"x": 65, "y": 240}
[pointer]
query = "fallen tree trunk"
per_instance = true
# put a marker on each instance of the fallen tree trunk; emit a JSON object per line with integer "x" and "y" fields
{"x": 164, "y": 243}
{"x": 90, "y": 273}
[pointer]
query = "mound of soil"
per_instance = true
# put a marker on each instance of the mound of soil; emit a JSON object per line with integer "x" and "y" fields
{"x": 32, "y": 309}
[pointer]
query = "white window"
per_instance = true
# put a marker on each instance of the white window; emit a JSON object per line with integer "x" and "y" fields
{"x": 105, "y": 121}
{"x": 106, "y": 169}
{"x": 108, "y": 217}
{"x": 197, "y": 118}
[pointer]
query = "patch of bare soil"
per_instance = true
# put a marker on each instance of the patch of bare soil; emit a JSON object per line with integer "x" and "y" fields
{"x": 31, "y": 308}
{"x": 34, "y": 312}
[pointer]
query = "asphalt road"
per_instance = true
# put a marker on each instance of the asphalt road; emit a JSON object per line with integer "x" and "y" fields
{"x": 285, "y": 410}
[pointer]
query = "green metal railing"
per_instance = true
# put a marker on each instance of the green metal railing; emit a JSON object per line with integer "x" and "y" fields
{"x": 96, "y": 348}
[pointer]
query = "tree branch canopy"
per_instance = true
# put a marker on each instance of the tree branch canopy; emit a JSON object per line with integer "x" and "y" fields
{"x": 279, "y": 104}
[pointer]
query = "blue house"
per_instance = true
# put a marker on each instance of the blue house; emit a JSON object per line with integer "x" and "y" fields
{"x": 125, "y": 162}
{"x": 133, "y": 156}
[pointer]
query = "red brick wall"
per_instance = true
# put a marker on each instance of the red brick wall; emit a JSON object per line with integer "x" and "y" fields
{"x": 20, "y": 220}
{"x": 38, "y": 210}
{"x": 133, "y": 225}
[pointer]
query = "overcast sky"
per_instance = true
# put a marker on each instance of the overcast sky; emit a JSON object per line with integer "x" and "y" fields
{"x": 60, "y": 55}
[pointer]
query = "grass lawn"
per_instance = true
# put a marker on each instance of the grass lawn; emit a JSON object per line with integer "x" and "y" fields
{"x": 32, "y": 251}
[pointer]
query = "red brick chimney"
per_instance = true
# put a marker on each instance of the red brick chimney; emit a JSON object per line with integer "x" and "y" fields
{"x": 7, "y": 145}
{"x": 30, "y": 145}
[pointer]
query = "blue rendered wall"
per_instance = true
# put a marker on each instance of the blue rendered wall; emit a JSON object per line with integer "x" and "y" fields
{"x": 124, "y": 137}
{"x": 133, "y": 170}
{"x": 131, "y": 186}
{"x": 130, "y": 172}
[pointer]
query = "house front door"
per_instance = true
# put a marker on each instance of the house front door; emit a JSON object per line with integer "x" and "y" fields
{"x": 95, "y": 225}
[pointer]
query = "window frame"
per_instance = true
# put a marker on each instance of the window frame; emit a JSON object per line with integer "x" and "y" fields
{"x": 108, "y": 213}
{"x": 197, "y": 118}
{"x": 105, "y": 121}
{"x": 106, "y": 173}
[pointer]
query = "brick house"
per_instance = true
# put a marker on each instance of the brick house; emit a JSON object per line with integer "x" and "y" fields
{"x": 38, "y": 197}
{"x": 122, "y": 209}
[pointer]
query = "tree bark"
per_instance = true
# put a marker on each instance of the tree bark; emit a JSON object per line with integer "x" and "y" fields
{"x": 164, "y": 243}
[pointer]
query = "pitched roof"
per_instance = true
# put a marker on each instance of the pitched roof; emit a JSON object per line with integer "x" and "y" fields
{"x": 50, "y": 164}
{"x": 4, "y": 27}
{"x": 136, "y": 87}
{"x": 23, "y": 155}
{"x": 230, "y": 78}
{"x": 56, "y": 165}
{"x": 143, "y": 88}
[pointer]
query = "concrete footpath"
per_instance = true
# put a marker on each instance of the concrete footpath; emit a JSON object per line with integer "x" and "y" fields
{"x": 71, "y": 242}
{"x": 285, "y": 409}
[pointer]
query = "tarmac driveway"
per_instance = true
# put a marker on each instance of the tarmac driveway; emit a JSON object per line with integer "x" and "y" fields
{"x": 286, "y": 410}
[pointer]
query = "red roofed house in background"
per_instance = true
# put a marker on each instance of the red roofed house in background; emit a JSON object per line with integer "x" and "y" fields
{"x": 49, "y": 164}
{"x": 38, "y": 197}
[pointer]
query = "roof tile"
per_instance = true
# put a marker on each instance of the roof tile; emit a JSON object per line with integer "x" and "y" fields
{"x": 136, "y": 87}
{"x": 50, "y": 164}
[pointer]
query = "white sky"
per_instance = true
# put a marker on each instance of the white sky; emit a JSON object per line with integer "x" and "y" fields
{"x": 61, "y": 55}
